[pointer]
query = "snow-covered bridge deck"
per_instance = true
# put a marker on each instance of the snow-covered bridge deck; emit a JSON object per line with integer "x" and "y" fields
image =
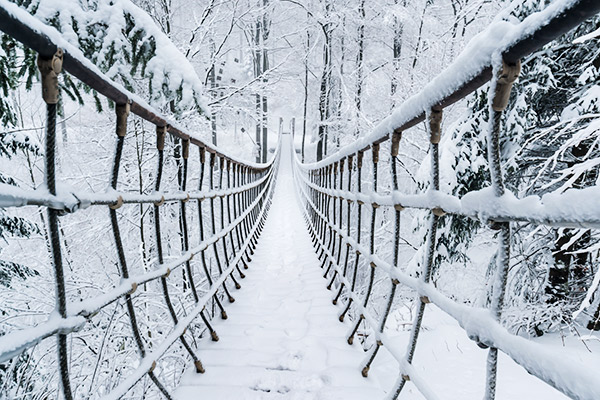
{"x": 282, "y": 337}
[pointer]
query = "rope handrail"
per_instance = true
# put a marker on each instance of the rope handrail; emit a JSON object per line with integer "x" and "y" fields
{"x": 473, "y": 69}
{"x": 16, "y": 342}
{"x": 488, "y": 331}
{"x": 238, "y": 194}
{"x": 12, "y": 196}
{"x": 335, "y": 203}
{"x": 46, "y": 40}
{"x": 551, "y": 209}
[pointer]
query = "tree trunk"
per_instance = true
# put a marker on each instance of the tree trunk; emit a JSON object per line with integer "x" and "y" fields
{"x": 419, "y": 40}
{"x": 397, "y": 51}
{"x": 265, "y": 67}
{"x": 305, "y": 106}
{"x": 325, "y": 92}
{"x": 359, "y": 65}
{"x": 257, "y": 72}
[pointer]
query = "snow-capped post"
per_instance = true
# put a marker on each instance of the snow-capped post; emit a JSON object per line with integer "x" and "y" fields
{"x": 434, "y": 117}
{"x": 49, "y": 70}
{"x": 500, "y": 89}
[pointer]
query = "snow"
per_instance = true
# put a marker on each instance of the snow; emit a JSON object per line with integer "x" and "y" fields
{"x": 78, "y": 313}
{"x": 577, "y": 208}
{"x": 589, "y": 36}
{"x": 71, "y": 199}
{"x": 14, "y": 343}
{"x": 179, "y": 329}
{"x": 282, "y": 338}
{"x": 167, "y": 67}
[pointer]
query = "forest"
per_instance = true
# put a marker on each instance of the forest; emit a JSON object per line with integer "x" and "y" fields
{"x": 241, "y": 73}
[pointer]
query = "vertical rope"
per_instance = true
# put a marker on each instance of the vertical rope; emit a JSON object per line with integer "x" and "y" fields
{"x": 359, "y": 163}
{"x": 435, "y": 118}
{"x": 213, "y": 225}
{"x": 348, "y": 211}
{"x": 393, "y": 282}
{"x": 215, "y": 297}
{"x": 375, "y": 206}
{"x": 53, "y": 231}
{"x": 500, "y": 89}
{"x": 49, "y": 69}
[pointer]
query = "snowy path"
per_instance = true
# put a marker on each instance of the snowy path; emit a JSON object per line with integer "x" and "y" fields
{"x": 282, "y": 339}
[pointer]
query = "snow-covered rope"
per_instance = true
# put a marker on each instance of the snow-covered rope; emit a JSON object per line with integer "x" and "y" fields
{"x": 243, "y": 200}
{"x": 321, "y": 188}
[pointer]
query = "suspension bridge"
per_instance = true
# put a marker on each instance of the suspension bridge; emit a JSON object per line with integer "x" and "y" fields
{"x": 273, "y": 281}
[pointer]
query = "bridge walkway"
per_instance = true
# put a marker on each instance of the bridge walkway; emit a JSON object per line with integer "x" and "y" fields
{"x": 282, "y": 338}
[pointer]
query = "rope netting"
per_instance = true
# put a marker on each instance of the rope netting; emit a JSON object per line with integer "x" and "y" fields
{"x": 347, "y": 213}
{"x": 196, "y": 247}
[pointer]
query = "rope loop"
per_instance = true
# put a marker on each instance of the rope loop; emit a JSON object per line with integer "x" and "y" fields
{"x": 438, "y": 212}
{"x": 49, "y": 69}
{"x": 507, "y": 76}
{"x": 396, "y": 136}
{"x": 375, "y": 149}
{"x": 118, "y": 204}
{"x": 134, "y": 287}
{"x": 185, "y": 148}
{"x": 161, "y": 132}
{"x": 122, "y": 111}
{"x": 359, "y": 159}
{"x": 435, "y": 125}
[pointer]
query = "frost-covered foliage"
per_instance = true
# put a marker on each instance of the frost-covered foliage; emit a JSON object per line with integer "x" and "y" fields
{"x": 13, "y": 145}
{"x": 127, "y": 45}
{"x": 549, "y": 144}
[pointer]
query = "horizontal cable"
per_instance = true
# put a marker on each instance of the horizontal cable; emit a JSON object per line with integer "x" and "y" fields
{"x": 16, "y": 342}
{"x": 394, "y": 350}
{"x": 11, "y": 196}
{"x": 551, "y": 209}
{"x": 146, "y": 364}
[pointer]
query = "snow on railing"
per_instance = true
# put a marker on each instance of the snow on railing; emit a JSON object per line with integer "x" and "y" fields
{"x": 239, "y": 195}
{"x": 335, "y": 202}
